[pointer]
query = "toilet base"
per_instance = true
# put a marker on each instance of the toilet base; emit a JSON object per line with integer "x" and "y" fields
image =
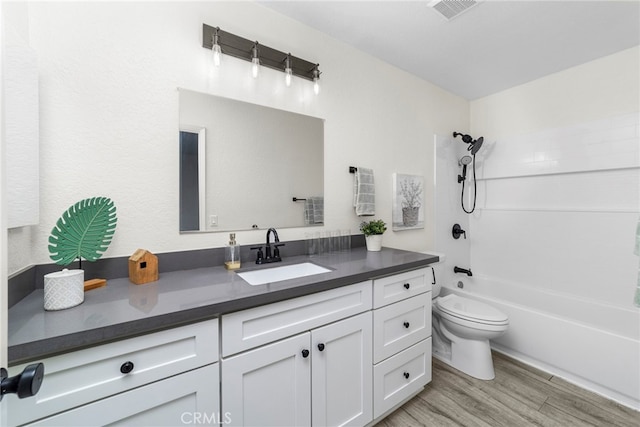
{"x": 473, "y": 357}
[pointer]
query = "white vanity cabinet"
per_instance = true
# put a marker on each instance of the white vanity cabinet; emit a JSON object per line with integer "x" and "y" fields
{"x": 321, "y": 376}
{"x": 401, "y": 338}
{"x": 154, "y": 379}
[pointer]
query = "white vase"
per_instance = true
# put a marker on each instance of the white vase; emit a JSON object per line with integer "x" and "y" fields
{"x": 374, "y": 242}
{"x": 63, "y": 289}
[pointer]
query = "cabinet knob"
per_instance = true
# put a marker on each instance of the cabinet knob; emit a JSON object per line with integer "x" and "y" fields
{"x": 126, "y": 367}
{"x": 406, "y": 325}
{"x": 406, "y": 375}
{"x": 305, "y": 353}
{"x": 407, "y": 285}
{"x": 321, "y": 347}
{"x": 25, "y": 384}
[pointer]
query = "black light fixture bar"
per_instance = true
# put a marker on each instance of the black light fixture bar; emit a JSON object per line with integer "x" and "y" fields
{"x": 240, "y": 47}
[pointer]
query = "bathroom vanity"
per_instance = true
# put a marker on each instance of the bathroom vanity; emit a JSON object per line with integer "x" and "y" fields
{"x": 344, "y": 347}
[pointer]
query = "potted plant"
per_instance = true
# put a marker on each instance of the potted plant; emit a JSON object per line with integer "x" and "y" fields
{"x": 412, "y": 193}
{"x": 83, "y": 231}
{"x": 373, "y": 231}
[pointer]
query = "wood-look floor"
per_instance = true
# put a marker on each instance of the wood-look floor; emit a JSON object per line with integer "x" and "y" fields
{"x": 520, "y": 395}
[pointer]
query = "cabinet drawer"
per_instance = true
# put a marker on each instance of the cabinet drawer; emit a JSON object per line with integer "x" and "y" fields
{"x": 388, "y": 290}
{"x": 189, "y": 398}
{"x": 401, "y": 376}
{"x": 83, "y": 376}
{"x": 250, "y": 328}
{"x": 400, "y": 325}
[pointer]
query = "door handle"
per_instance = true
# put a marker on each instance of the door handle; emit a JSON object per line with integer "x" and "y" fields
{"x": 25, "y": 384}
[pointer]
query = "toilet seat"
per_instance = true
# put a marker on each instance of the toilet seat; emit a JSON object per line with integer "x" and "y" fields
{"x": 471, "y": 310}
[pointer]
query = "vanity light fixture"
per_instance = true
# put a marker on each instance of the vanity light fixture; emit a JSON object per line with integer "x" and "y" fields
{"x": 215, "y": 48}
{"x": 255, "y": 61}
{"x": 287, "y": 70}
{"x": 220, "y": 41}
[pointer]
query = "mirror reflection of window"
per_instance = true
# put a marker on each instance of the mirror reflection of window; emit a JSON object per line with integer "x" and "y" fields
{"x": 189, "y": 190}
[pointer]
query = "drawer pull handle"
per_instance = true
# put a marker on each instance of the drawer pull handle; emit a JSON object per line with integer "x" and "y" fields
{"x": 321, "y": 347}
{"x": 406, "y": 375}
{"x": 407, "y": 286}
{"x": 406, "y": 325}
{"x": 126, "y": 367}
{"x": 305, "y": 353}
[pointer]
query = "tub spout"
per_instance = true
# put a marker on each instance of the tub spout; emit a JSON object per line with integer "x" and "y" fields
{"x": 457, "y": 269}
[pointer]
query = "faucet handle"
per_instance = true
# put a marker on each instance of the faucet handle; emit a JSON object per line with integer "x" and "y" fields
{"x": 259, "y": 256}
{"x": 276, "y": 251}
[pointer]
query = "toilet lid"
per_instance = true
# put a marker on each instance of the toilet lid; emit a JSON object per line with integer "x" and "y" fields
{"x": 470, "y": 309}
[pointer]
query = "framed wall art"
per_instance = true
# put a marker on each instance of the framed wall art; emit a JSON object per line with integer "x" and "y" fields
{"x": 408, "y": 209}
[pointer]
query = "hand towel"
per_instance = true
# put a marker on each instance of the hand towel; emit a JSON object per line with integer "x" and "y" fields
{"x": 364, "y": 192}
{"x": 314, "y": 210}
{"x": 636, "y": 299}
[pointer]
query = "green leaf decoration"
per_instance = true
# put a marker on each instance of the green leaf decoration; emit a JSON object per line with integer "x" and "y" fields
{"x": 83, "y": 231}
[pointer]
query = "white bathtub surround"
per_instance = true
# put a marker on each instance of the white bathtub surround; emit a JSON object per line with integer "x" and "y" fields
{"x": 556, "y": 207}
{"x": 558, "y": 200}
{"x": 550, "y": 241}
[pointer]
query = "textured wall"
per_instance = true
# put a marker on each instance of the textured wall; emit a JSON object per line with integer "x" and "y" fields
{"x": 109, "y": 73}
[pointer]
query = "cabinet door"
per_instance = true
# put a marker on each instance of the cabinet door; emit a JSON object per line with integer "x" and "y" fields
{"x": 270, "y": 385}
{"x": 341, "y": 377}
{"x": 189, "y": 398}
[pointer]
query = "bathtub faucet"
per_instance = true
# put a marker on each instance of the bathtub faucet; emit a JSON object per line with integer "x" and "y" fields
{"x": 457, "y": 269}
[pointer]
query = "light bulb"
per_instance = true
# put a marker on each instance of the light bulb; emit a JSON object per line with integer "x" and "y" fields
{"x": 255, "y": 68}
{"x": 287, "y": 70}
{"x": 316, "y": 80}
{"x": 255, "y": 61}
{"x": 287, "y": 76}
{"x": 217, "y": 54}
{"x": 215, "y": 47}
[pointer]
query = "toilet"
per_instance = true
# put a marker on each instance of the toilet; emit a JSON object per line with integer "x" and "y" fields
{"x": 462, "y": 329}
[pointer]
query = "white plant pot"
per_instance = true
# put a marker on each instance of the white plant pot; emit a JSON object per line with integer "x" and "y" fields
{"x": 374, "y": 242}
{"x": 63, "y": 289}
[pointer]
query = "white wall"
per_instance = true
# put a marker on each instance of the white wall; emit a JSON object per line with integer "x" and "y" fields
{"x": 109, "y": 73}
{"x": 560, "y": 188}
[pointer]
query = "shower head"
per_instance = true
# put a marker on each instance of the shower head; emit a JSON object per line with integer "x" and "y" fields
{"x": 475, "y": 146}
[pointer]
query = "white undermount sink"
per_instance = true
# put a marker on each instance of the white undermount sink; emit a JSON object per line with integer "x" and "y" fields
{"x": 285, "y": 272}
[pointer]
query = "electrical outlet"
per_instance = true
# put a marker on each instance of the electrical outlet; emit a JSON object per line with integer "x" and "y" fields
{"x": 213, "y": 220}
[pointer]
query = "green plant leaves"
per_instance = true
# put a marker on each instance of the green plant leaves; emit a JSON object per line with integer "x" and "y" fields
{"x": 84, "y": 231}
{"x": 373, "y": 227}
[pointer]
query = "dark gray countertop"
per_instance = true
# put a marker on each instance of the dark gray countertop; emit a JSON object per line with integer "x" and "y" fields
{"x": 122, "y": 309}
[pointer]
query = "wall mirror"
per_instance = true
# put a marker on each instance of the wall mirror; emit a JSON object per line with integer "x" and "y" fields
{"x": 242, "y": 165}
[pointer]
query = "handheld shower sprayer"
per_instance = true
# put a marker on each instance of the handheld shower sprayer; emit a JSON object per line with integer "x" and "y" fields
{"x": 474, "y": 146}
{"x": 464, "y": 161}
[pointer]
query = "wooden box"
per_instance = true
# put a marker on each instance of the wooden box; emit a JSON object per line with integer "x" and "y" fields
{"x": 143, "y": 267}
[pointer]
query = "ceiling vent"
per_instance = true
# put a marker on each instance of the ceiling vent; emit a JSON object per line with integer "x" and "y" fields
{"x": 449, "y": 9}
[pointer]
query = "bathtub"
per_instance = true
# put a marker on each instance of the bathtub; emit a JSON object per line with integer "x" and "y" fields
{"x": 593, "y": 345}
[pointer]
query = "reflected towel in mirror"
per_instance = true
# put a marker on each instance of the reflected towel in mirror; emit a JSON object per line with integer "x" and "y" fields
{"x": 314, "y": 210}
